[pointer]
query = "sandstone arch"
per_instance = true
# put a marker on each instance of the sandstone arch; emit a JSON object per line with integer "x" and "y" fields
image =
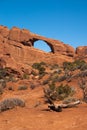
{"x": 43, "y": 43}
{"x": 27, "y": 38}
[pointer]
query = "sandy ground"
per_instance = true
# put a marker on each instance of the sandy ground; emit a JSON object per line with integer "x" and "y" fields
{"x": 39, "y": 118}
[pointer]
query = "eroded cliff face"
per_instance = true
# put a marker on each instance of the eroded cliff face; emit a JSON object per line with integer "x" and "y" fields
{"x": 17, "y": 49}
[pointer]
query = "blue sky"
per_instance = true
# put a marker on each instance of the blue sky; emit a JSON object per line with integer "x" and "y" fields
{"x": 65, "y": 20}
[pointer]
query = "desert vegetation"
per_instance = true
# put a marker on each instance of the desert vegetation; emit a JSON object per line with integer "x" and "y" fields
{"x": 58, "y": 92}
{"x": 11, "y": 103}
{"x": 56, "y": 80}
{"x": 23, "y": 87}
{"x": 83, "y": 85}
{"x": 40, "y": 67}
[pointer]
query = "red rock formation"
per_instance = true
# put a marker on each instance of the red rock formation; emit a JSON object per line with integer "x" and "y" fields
{"x": 27, "y": 38}
{"x": 81, "y": 52}
{"x": 16, "y": 48}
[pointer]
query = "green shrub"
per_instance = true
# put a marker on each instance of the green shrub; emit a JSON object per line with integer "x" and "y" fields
{"x": 84, "y": 67}
{"x": 11, "y": 103}
{"x": 36, "y": 65}
{"x": 25, "y": 76}
{"x": 3, "y": 73}
{"x": 41, "y": 70}
{"x": 22, "y": 87}
{"x": 52, "y": 86}
{"x": 69, "y": 66}
{"x": 77, "y": 64}
{"x": 13, "y": 79}
{"x": 41, "y": 75}
{"x": 54, "y": 77}
{"x": 50, "y": 94}
{"x": 2, "y": 86}
{"x": 42, "y": 63}
{"x": 83, "y": 85}
{"x": 54, "y": 66}
{"x": 33, "y": 73}
{"x": 62, "y": 78}
{"x": 64, "y": 91}
{"x": 58, "y": 93}
{"x": 39, "y": 67}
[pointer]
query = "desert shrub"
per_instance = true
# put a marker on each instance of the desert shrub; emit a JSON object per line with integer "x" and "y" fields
{"x": 64, "y": 91}
{"x": 42, "y": 63}
{"x": 39, "y": 67}
{"x": 33, "y": 73}
{"x": 62, "y": 78}
{"x": 81, "y": 74}
{"x": 58, "y": 93}
{"x": 36, "y": 65}
{"x": 9, "y": 74}
{"x": 22, "y": 87}
{"x": 13, "y": 79}
{"x": 84, "y": 67}
{"x": 69, "y": 66}
{"x": 2, "y": 86}
{"x": 25, "y": 76}
{"x": 4, "y": 72}
{"x": 11, "y": 103}
{"x": 3, "y": 83}
{"x": 32, "y": 86}
{"x": 50, "y": 93}
{"x": 45, "y": 82}
{"x": 83, "y": 85}
{"x": 1, "y": 90}
{"x": 77, "y": 64}
{"x": 52, "y": 86}
{"x": 54, "y": 77}
{"x": 41, "y": 70}
{"x": 54, "y": 66}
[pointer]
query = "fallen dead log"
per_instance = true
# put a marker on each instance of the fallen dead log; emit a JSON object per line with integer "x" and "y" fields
{"x": 54, "y": 108}
{"x": 59, "y": 107}
{"x": 72, "y": 104}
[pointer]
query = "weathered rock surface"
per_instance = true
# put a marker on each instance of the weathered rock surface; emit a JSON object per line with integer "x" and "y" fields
{"x": 17, "y": 49}
{"x": 27, "y": 38}
{"x": 81, "y": 51}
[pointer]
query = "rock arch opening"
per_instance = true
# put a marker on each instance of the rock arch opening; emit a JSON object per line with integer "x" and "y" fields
{"x": 42, "y": 45}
